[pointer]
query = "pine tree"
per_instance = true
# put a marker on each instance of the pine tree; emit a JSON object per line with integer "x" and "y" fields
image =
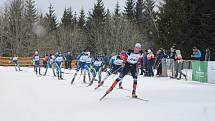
{"x": 74, "y": 20}
{"x": 81, "y": 20}
{"x": 149, "y": 23}
{"x": 129, "y": 11}
{"x": 107, "y": 32}
{"x": 139, "y": 11}
{"x": 117, "y": 9}
{"x": 52, "y": 30}
{"x": 117, "y": 14}
{"x": 66, "y": 20}
{"x": 51, "y": 19}
{"x": 98, "y": 14}
{"x": 30, "y": 12}
{"x": 95, "y": 27}
{"x": 31, "y": 18}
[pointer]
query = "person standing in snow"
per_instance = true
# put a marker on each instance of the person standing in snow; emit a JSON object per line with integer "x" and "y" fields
{"x": 69, "y": 60}
{"x": 145, "y": 62}
{"x": 150, "y": 60}
{"x": 207, "y": 55}
{"x": 36, "y": 59}
{"x": 14, "y": 60}
{"x": 179, "y": 65}
{"x": 58, "y": 62}
{"x": 142, "y": 69}
{"x": 172, "y": 52}
{"x": 158, "y": 64}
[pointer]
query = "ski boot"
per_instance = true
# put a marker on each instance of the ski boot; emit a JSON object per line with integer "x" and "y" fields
{"x": 99, "y": 84}
{"x": 120, "y": 85}
{"x": 91, "y": 82}
{"x": 84, "y": 80}
{"x": 134, "y": 94}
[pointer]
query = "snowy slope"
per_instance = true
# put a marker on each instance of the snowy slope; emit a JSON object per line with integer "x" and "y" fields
{"x": 27, "y": 97}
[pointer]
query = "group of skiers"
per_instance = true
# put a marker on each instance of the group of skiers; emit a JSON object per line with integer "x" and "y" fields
{"x": 49, "y": 61}
{"x": 125, "y": 62}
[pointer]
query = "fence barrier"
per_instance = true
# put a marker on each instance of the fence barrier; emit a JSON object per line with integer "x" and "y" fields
{"x": 200, "y": 71}
{"x": 27, "y": 61}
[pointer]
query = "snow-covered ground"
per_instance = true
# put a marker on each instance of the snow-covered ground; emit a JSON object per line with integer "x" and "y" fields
{"x": 27, "y": 97}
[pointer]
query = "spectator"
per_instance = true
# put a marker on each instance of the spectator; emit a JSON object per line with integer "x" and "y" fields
{"x": 172, "y": 53}
{"x": 196, "y": 54}
{"x": 65, "y": 60}
{"x": 158, "y": 63}
{"x": 68, "y": 60}
{"x": 207, "y": 55}
{"x": 150, "y": 59}
{"x": 179, "y": 65}
{"x": 145, "y": 62}
{"x": 142, "y": 64}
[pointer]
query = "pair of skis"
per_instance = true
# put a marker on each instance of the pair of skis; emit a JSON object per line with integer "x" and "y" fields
{"x": 137, "y": 98}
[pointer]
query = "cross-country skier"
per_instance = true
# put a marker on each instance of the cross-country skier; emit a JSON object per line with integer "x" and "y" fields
{"x": 87, "y": 67}
{"x": 36, "y": 59}
{"x": 14, "y": 60}
{"x": 45, "y": 60}
{"x": 116, "y": 66}
{"x": 96, "y": 69}
{"x": 58, "y": 61}
{"x": 53, "y": 65}
{"x": 81, "y": 64}
{"x": 50, "y": 64}
{"x": 131, "y": 64}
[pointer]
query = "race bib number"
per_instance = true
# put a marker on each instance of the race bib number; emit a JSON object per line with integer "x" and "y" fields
{"x": 97, "y": 63}
{"x": 113, "y": 58}
{"x": 36, "y": 58}
{"x": 88, "y": 60}
{"x": 83, "y": 58}
{"x": 118, "y": 62}
{"x": 14, "y": 58}
{"x": 59, "y": 59}
{"x": 133, "y": 58}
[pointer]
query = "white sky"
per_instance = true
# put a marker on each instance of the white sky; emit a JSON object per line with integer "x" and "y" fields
{"x": 76, "y": 5}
